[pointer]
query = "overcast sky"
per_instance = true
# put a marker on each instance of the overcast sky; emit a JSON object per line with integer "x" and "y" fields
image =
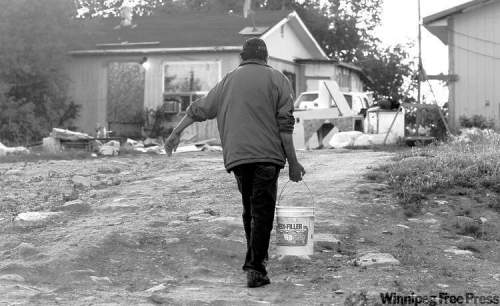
{"x": 400, "y": 24}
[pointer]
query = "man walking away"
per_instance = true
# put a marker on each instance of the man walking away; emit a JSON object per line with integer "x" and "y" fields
{"x": 253, "y": 105}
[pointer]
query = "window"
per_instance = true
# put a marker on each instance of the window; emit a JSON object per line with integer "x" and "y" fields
{"x": 348, "y": 98}
{"x": 344, "y": 79}
{"x": 185, "y": 82}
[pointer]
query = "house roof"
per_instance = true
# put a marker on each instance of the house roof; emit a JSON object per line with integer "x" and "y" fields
{"x": 456, "y": 10}
{"x": 332, "y": 61}
{"x": 180, "y": 30}
{"x": 437, "y": 23}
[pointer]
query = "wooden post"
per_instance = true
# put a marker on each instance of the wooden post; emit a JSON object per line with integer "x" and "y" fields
{"x": 392, "y": 124}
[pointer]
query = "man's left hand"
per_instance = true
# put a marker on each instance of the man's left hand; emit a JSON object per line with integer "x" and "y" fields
{"x": 172, "y": 142}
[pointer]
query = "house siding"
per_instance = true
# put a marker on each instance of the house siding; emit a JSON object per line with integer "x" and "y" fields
{"x": 285, "y": 44}
{"x": 313, "y": 73}
{"x": 89, "y": 85}
{"x": 475, "y": 58}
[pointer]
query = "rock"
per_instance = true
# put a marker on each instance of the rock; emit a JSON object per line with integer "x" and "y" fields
{"x": 24, "y": 250}
{"x": 156, "y": 288}
{"x": 210, "y": 148}
{"x": 387, "y": 232}
{"x": 81, "y": 181}
{"x": 97, "y": 184}
{"x": 463, "y": 221}
{"x": 110, "y": 148}
{"x": 101, "y": 280}
{"x": 128, "y": 240}
{"x": 403, "y": 226}
{"x": 80, "y": 273}
{"x": 426, "y": 221}
{"x": 456, "y": 251}
{"x": 168, "y": 279}
{"x": 171, "y": 240}
{"x": 160, "y": 299}
{"x": 119, "y": 204}
{"x": 339, "y": 291}
{"x": 196, "y": 212}
{"x": 199, "y": 218}
{"x": 12, "y": 278}
{"x": 228, "y": 220}
{"x": 70, "y": 195}
{"x": 356, "y": 299}
{"x": 326, "y": 238}
{"x": 371, "y": 259}
{"x": 176, "y": 223}
{"x": 108, "y": 170}
{"x": 75, "y": 206}
{"x": 14, "y": 172}
{"x": 114, "y": 181}
{"x": 34, "y": 216}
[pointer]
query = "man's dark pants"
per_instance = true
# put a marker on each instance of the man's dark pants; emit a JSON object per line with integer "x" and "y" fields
{"x": 257, "y": 183}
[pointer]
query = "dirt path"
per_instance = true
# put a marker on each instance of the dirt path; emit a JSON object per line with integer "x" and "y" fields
{"x": 144, "y": 230}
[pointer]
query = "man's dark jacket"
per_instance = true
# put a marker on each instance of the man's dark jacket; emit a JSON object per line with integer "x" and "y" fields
{"x": 252, "y": 104}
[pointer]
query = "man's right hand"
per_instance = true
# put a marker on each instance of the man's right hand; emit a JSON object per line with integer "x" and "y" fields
{"x": 172, "y": 142}
{"x": 296, "y": 171}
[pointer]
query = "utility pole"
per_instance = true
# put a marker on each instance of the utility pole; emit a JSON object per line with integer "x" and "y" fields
{"x": 419, "y": 53}
{"x": 419, "y": 75}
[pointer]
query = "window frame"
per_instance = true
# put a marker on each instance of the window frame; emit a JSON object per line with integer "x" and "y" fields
{"x": 191, "y": 93}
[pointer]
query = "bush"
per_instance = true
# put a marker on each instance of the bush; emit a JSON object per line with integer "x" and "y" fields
{"x": 35, "y": 37}
{"x": 477, "y": 121}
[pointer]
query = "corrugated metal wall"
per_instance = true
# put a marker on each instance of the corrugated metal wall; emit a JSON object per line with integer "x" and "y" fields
{"x": 475, "y": 51}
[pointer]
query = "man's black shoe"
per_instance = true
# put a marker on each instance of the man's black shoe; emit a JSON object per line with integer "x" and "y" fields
{"x": 256, "y": 279}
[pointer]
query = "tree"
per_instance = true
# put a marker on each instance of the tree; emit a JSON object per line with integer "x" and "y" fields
{"x": 391, "y": 72}
{"x": 34, "y": 41}
{"x": 345, "y": 29}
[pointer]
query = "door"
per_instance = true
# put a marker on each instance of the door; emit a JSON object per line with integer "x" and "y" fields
{"x": 125, "y": 99}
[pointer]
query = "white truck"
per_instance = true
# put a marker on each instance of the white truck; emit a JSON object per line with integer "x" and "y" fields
{"x": 356, "y": 100}
{"x": 318, "y": 112}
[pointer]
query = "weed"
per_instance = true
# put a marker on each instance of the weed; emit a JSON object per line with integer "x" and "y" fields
{"x": 464, "y": 164}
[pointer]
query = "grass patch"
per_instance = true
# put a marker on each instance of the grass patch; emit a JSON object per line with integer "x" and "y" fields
{"x": 470, "y": 164}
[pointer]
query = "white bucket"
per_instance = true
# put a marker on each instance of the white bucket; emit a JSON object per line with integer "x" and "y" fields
{"x": 294, "y": 230}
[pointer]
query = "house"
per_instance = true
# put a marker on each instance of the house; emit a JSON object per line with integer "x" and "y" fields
{"x": 120, "y": 71}
{"x": 472, "y": 33}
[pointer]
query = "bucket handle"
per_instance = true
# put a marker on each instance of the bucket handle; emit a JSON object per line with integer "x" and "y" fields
{"x": 283, "y": 189}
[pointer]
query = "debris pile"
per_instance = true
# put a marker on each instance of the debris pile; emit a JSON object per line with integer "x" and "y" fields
{"x": 60, "y": 139}
{"x": 4, "y": 150}
{"x": 149, "y": 145}
{"x": 338, "y": 140}
{"x": 212, "y": 145}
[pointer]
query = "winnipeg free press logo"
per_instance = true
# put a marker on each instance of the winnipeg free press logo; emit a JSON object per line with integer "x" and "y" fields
{"x": 442, "y": 298}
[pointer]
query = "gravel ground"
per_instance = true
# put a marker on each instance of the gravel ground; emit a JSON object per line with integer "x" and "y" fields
{"x": 145, "y": 230}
